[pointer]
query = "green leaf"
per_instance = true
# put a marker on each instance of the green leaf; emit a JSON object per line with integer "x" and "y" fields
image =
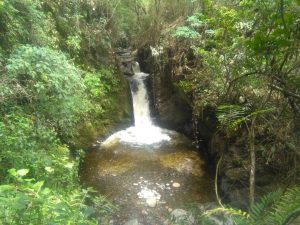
{"x": 22, "y": 172}
{"x": 4, "y": 188}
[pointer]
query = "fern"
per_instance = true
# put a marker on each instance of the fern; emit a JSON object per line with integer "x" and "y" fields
{"x": 275, "y": 208}
{"x": 261, "y": 208}
{"x": 231, "y": 116}
{"x": 285, "y": 209}
{"x": 237, "y": 216}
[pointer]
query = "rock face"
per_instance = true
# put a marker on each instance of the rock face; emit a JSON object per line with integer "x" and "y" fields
{"x": 171, "y": 107}
{"x": 126, "y": 59}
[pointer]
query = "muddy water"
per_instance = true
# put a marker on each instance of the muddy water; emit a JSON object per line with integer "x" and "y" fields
{"x": 148, "y": 181}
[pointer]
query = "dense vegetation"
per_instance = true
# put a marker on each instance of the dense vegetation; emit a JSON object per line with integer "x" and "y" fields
{"x": 244, "y": 63}
{"x": 237, "y": 60}
{"x": 49, "y": 92}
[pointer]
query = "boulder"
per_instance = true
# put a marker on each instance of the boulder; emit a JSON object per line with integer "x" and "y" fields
{"x": 180, "y": 216}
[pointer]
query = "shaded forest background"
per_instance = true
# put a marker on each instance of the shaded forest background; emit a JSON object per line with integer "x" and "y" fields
{"x": 236, "y": 62}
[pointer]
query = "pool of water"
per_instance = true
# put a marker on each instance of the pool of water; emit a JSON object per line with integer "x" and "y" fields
{"x": 148, "y": 181}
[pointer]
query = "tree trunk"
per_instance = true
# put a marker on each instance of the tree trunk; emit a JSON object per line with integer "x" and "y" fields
{"x": 252, "y": 159}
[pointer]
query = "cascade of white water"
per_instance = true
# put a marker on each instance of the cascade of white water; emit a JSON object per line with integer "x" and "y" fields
{"x": 140, "y": 101}
{"x": 144, "y": 132}
{"x": 136, "y": 67}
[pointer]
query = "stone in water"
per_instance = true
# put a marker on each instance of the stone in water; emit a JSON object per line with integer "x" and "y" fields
{"x": 151, "y": 202}
{"x": 176, "y": 185}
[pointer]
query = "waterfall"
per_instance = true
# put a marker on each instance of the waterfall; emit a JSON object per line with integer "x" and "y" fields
{"x": 141, "y": 110}
{"x": 143, "y": 132}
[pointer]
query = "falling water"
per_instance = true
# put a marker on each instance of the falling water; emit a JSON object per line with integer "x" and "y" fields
{"x": 146, "y": 170}
{"x": 140, "y": 101}
{"x": 143, "y": 132}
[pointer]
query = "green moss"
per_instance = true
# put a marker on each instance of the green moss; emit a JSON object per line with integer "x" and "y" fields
{"x": 87, "y": 134}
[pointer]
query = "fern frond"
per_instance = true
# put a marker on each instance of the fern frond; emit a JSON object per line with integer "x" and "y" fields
{"x": 276, "y": 208}
{"x": 228, "y": 211}
{"x": 239, "y": 217}
{"x": 231, "y": 116}
{"x": 262, "y": 207}
{"x": 262, "y": 111}
{"x": 286, "y": 208}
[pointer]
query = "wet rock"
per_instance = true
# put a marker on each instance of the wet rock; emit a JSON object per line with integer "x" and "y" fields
{"x": 180, "y": 216}
{"x": 151, "y": 202}
{"x": 237, "y": 174}
{"x": 225, "y": 185}
{"x": 165, "y": 96}
{"x": 176, "y": 185}
{"x": 221, "y": 219}
{"x": 207, "y": 206}
{"x": 132, "y": 222}
{"x": 126, "y": 59}
{"x": 265, "y": 178}
{"x": 239, "y": 198}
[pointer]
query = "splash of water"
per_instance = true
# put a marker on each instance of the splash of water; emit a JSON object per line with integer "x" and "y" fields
{"x": 143, "y": 132}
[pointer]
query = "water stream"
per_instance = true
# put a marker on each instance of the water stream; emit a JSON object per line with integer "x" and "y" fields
{"x": 145, "y": 170}
{"x": 143, "y": 132}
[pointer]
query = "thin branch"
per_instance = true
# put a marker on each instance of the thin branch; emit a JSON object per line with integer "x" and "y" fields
{"x": 216, "y": 182}
{"x": 293, "y": 68}
{"x": 238, "y": 78}
{"x": 113, "y": 11}
{"x": 282, "y": 15}
{"x": 286, "y": 56}
{"x": 284, "y": 91}
{"x": 244, "y": 75}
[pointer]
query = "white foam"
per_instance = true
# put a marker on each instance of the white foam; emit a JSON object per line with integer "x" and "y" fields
{"x": 138, "y": 135}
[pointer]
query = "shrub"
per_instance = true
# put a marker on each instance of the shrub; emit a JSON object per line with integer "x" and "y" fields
{"x": 26, "y": 201}
{"x": 53, "y": 86}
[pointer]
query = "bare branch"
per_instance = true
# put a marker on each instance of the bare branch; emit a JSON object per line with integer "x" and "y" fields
{"x": 284, "y": 91}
